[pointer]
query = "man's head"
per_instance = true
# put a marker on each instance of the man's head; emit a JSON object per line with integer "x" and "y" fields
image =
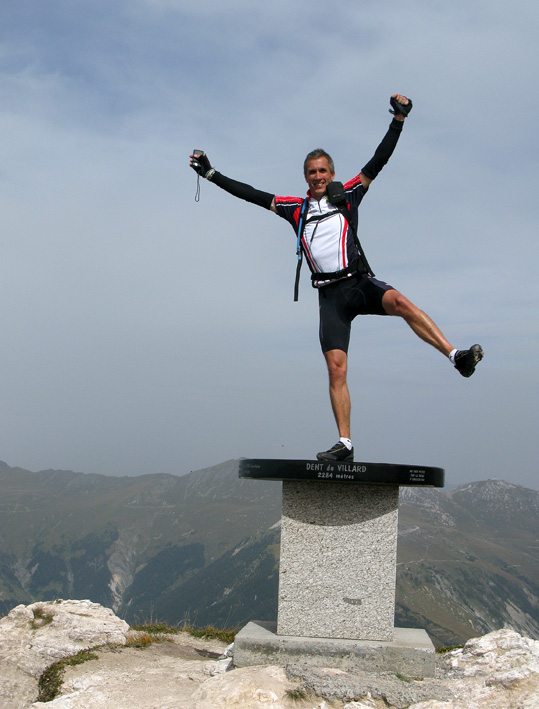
{"x": 319, "y": 170}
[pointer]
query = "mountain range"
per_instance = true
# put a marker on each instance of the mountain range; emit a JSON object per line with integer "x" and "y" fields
{"x": 203, "y": 548}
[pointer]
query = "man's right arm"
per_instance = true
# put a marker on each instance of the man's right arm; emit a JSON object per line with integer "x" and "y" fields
{"x": 388, "y": 144}
{"x": 233, "y": 187}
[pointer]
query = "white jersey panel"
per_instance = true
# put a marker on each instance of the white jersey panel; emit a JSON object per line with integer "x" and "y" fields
{"x": 324, "y": 238}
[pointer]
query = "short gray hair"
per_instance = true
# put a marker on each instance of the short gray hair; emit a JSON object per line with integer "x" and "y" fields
{"x": 318, "y": 153}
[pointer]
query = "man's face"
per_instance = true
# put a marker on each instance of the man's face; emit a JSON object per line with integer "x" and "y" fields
{"x": 318, "y": 175}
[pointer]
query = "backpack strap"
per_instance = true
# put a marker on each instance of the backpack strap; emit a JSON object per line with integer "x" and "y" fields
{"x": 345, "y": 211}
{"x": 299, "y": 250}
{"x": 337, "y": 197}
{"x": 336, "y": 275}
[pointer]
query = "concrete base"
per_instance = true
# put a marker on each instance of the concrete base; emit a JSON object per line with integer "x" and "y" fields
{"x": 337, "y": 568}
{"x": 410, "y": 653}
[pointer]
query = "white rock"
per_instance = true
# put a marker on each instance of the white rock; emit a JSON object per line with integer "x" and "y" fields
{"x": 244, "y": 688}
{"x": 35, "y": 636}
{"x": 229, "y": 652}
{"x": 498, "y": 670}
{"x": 435, "y": 704}
{"x": 498, "y": 652}
{"x": 221, "y": 666}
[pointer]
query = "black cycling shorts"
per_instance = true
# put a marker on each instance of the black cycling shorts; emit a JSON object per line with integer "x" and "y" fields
{"x": 340, "y": 302}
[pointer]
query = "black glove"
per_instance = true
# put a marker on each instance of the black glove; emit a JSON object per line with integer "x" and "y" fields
{"x": 200, "y": 164}
{"x": 403, "y": 109}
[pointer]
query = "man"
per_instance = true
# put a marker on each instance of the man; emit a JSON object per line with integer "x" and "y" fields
{"x": 340, "y": 271}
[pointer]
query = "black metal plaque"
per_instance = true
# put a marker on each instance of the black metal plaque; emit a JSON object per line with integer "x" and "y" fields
{"x": 366, "y": 473}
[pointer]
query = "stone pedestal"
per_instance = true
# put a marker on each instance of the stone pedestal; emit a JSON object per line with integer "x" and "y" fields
{"x": 410, "y": 653}
{"x": 338, "y": 569}
{"x": 338, "y": 560}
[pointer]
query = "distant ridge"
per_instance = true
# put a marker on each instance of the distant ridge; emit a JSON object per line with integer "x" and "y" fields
{"x": 204, "y": 547}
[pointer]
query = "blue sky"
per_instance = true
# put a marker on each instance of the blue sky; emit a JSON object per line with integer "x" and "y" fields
{"x": 146, "y": 332}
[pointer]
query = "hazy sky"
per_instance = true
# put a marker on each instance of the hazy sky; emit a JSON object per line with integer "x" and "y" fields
{"x": 144, "y": 332}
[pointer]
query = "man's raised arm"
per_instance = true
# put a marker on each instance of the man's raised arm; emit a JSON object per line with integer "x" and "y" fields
{"x": 202, "y": 166}
{"x": 389, "y": 141}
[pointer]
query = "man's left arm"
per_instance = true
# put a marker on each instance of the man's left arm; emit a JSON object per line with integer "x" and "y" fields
{"x": 202, "y": 166}
{"x": 389, "y": 141}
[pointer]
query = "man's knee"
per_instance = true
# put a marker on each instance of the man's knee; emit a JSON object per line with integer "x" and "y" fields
{"x": 396, "y": 303}
{"x": 337, "y": 364}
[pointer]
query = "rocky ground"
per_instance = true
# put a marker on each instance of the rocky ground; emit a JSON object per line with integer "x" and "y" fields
{"x": 499, "y": 670}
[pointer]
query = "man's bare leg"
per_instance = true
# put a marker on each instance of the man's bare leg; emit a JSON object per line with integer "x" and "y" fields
{"x": 337, "y": 364}
{"x": 395, "y": 303}
{"x": 464, "y": 361}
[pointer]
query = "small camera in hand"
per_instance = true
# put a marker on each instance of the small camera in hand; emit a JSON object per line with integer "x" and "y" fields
{"x": 195, "y": 162}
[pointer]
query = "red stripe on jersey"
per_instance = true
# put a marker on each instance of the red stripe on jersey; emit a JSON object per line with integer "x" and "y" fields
{"x": 343, "y": 243}
{"x": 308, "y": 254}
{"x": 288, "y": 200}
{"x": 353, "y": 182}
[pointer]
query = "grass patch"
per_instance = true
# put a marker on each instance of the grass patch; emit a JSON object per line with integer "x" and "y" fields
{"x": 156, "y": 629}
{"x": 448, "y": 648}
{"x": 209, "y": 632}
{"x": 41, "y": 618}
{"x": 296, "y": 695}
{"x": 402, "y": 678}
{"x": 51, "y": 679}
{"x": 142, "y": 639}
